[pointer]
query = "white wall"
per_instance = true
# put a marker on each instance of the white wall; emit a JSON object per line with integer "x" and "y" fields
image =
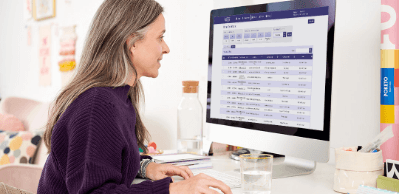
{"x": 355, "y": 102}
{"x": 19, "y": 64}
{"x": 356, "y": 73}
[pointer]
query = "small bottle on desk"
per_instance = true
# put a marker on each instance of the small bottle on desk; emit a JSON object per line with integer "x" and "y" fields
{"x": 189, "y": 120}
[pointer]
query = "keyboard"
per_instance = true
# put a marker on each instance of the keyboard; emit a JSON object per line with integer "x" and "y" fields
{"x": 229, "y": 180}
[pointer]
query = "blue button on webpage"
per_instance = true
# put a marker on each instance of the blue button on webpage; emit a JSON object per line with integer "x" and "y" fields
{"x": 310, "y": 21}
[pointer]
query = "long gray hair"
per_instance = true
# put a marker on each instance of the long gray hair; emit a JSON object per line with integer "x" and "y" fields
{"x": 106, "y": 58}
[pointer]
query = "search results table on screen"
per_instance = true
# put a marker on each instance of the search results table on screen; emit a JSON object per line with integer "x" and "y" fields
{"x": 270, "y": 67}
{"x": 272, "y": 88}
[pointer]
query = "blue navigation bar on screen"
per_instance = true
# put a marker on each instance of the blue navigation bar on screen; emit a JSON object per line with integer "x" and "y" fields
{"x": 272, "y": 15}
{"x": 268, "y": 57}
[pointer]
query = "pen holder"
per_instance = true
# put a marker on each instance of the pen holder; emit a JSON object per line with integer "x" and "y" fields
{"x": 354, "y": 168}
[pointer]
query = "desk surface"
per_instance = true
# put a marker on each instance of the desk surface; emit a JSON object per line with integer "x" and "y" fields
{"x": 320, "y": 181}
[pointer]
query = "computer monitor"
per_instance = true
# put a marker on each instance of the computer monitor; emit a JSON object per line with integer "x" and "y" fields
{"x": 269, "y": 80}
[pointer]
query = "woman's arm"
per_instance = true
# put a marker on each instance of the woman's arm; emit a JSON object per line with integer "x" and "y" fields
{"x": 94, "y": 162}
{"x": 96, "y": 178}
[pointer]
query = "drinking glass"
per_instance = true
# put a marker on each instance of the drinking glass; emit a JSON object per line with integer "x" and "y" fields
{"x": 256, "y": 173}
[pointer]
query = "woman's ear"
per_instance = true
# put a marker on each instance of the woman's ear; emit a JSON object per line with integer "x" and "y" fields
{"x": 133, "y": 47}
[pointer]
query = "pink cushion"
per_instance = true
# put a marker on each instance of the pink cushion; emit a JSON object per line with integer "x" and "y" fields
{"x": 10, "y": 123}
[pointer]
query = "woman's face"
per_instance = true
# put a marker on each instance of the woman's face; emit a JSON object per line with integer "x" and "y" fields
{"x": 147, "y": 53}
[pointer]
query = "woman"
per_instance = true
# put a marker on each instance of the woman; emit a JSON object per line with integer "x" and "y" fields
{"x": 94, "y": 130}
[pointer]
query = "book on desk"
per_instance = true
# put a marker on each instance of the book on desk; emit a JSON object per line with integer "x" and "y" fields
{"x": 192, "y": 161}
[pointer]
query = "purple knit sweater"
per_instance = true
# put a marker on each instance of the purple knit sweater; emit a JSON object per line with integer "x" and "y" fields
{"x": 94, "y": 147}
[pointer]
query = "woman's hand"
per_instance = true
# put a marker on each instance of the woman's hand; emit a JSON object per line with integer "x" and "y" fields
{"x": 199, "y": 184}
{"x": 156, "y": 171}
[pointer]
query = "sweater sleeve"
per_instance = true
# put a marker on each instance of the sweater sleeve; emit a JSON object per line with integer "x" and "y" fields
{"x": 94, "y": 161}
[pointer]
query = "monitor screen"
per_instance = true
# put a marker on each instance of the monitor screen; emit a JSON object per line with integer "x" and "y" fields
{"x": 270, "y": 68}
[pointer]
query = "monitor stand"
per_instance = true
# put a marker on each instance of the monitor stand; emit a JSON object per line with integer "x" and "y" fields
{"x": 283, "y": 166}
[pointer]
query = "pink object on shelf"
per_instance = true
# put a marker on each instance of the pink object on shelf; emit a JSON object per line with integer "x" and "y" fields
{"x": 9, "y": 122}
{"x": 151, "y": 150}
{"x": 390, "y": 149}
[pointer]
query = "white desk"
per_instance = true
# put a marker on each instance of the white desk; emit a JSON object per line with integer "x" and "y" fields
{"x": 319, "y": 182}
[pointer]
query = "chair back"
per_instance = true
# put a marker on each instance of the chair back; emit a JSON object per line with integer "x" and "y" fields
{"x": 33, "y": 115}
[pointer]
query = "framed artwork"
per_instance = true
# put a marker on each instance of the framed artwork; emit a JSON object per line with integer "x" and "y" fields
{"x": 43, "y": 9}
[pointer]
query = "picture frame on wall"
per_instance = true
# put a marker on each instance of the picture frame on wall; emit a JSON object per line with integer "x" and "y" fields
{"x": 43, "y": 9}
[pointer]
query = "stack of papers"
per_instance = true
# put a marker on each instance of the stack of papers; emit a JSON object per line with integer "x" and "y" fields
{"x": 192, "y": 161}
